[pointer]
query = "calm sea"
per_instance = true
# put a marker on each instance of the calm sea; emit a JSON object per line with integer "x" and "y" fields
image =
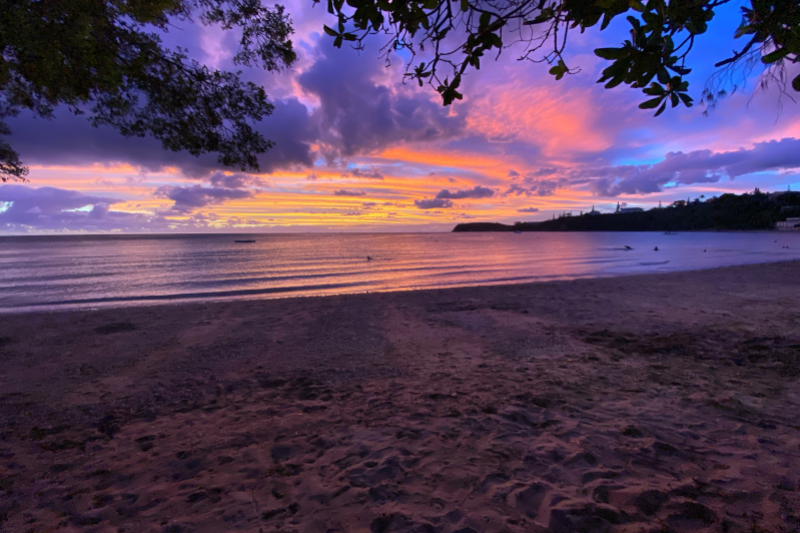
{"x": 64, "y": 272}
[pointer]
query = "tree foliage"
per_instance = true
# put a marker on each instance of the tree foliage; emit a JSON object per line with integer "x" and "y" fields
{"x": 105, "y": 58}
{"x": 453, "y": 36}
{"x": 754, "y": 211}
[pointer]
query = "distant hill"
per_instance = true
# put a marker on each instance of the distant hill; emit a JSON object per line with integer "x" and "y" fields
{"x": 750, "y": 211}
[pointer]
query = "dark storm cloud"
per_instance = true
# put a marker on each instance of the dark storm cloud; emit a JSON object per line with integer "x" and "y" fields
{"x": 700, "y": 166}
{"x": 187, "y": 199}
{"x": 50, "y": 208}
{"x": 433, "y": 203}
{"x": 476, "y": 192}
{"x": 358, "y": 115}
{"x": 347, "y": 192}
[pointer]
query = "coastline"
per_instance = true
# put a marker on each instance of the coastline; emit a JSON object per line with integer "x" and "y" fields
{"x": 603, "y": 404}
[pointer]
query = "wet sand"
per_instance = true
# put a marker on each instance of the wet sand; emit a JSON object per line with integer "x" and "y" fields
{"x": 640, "y": 404}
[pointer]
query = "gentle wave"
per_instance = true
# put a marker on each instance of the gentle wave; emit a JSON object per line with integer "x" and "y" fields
{"x": 98, "y": 271}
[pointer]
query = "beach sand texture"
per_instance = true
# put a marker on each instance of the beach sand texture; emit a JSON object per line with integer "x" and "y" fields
{"x": 640, "y": 404}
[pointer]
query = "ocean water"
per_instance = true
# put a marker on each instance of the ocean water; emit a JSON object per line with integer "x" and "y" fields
{"x": 67, "y": 272}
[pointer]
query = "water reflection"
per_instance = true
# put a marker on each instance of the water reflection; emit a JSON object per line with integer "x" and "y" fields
{"x": 56, "y": 272}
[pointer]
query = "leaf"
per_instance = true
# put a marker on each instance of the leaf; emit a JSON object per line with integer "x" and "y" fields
{"x": 796, "y": 84}
{"x": 330, "y": 31}
{"x": 681, "y": 70}
{"x": 775, "y": 55}
{"x": 652, "y": 103}
{"x": 636, "y": 5}
{"x": 610, "y": 53}
{"x": 661, "y": 109}
{"x": 686, "y": 99}
{"x": 675, "y": 99}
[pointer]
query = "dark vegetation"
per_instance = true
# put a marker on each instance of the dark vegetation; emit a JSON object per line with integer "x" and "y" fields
{"x": 754, "y": 211}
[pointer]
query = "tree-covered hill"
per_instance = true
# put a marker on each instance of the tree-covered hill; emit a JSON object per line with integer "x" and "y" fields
{"x": 753, "y": 211}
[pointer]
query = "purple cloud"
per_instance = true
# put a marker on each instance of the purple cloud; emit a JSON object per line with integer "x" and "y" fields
{"x": 348, "y": 192}
{"x": 187, "y": 199}
{"x": 358, "y": 116}
{"x": 24, "y": 208}
{"x": 476, "y": 192}
{"x": 433, "y": 203}
{"x": 71, "y": 140}
{"x": 699, "y": 166}
{"x": 234, "y": 181}
{"x": 371, "y": 174}
{"x": 532, "y": 186}
{"x": 528, "y": 210}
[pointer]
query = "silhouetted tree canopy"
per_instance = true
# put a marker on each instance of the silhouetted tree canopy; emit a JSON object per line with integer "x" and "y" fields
{"x": 754, "y": 211}
{"x": 455, "y": 35}
{"x": 105, "y": 58}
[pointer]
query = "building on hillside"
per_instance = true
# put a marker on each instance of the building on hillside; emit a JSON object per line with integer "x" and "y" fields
{"x": 790, "y": 224}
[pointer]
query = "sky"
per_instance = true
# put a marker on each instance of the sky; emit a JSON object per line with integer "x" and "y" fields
{"x": 358, "y": 150}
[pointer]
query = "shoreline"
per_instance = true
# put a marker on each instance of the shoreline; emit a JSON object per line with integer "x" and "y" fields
{"x": 249, "y": 295}
{"x": 601, "y": 405}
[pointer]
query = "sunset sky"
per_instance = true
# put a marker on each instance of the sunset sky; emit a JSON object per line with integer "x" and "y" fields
{"x": 357, "y": 150}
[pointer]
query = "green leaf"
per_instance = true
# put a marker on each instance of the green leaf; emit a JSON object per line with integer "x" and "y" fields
{"x": 661, "y": 109}
{"x": 675, "y": 99}
{"x": 330, "y": 31}
{"x": 796, "y": 84}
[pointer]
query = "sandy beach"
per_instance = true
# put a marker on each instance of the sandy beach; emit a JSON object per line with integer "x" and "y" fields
{"x": 653, "y": 403}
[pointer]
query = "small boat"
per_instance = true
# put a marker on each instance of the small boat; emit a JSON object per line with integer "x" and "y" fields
{"x": 245, "y": 241}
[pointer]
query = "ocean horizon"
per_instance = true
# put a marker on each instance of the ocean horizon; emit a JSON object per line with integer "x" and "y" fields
{"x": 52, "y": 272}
